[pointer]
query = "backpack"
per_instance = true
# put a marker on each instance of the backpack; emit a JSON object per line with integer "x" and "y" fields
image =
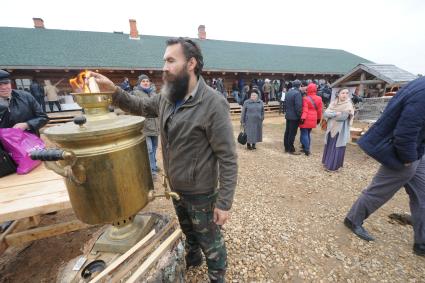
{"x": 7, "y": 165}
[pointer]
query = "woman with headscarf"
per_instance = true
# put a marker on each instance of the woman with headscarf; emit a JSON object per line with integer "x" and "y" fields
{"x": 339, "y": 116}
{"x": 310, "y": 116}
{"x": 252, "y": 117}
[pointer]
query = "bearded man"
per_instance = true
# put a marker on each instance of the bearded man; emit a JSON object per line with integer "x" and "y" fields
{"x": 199, "y": 151}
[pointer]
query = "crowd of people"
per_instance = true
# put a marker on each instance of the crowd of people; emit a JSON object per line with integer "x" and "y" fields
{"x": 303, "y": 108}
{"x": 49, "y": 92}
{"x": 199, "y": 151}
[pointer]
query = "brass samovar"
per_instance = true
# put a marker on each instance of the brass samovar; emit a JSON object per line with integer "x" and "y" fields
{"x": 104, "y": 160}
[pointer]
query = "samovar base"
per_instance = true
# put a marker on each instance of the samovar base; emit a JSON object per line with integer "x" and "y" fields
{"x": 119, "y": 239}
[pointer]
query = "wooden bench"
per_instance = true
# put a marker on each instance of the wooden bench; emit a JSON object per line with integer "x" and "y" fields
{"x": 62, "y": 117}
{"x": 272, "y": 107}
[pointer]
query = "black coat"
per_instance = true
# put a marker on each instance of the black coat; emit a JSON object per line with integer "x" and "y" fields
{"x": 398, "y": 136}
{"x": 294, "y": 104}
{"x": 36, "y": 89}
{"x": 23, "y": 108}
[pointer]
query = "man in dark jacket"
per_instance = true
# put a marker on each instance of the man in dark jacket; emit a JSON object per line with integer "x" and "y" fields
{"x": 397, "y": 141}
{"x": 38, "y": 92}
{"x": 151, "y": 125}
{"x": 18, "y": 108}
{"x": 198, "y": 150}
{"x": 294, "y": 105}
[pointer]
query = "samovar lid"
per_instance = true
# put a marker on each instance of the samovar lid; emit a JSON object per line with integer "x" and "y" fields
{"x": 113, "y": 125}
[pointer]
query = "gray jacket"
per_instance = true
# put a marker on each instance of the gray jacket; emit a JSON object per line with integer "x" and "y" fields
{"x": 252, "y": 117}
{"x": 151, "y": 126}
{"x": 294, "y": 104}
{"x": 198, "y": 146}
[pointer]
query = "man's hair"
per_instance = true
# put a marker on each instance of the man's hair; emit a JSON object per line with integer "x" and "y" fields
{"x": 190, "y": 49}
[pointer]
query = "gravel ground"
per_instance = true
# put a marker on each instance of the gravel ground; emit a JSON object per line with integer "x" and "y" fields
{"x": 286, "y": 224}
{"x": 287, "y": 217}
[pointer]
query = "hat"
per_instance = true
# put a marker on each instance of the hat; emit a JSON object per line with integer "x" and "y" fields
{"x": 143, "y": 77}
{"x": 296, "y": 83}
{"x": 4, "y": 76}
{"x": 255, "y": 90}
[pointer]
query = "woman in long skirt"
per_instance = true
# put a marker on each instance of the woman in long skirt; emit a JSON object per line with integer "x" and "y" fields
{"x": 252, "y": 117}
{"x": 339, "y": 116}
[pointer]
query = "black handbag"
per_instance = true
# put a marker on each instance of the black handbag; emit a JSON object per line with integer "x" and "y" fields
{"x": 242, "y": 138}
{"x": 7, "y": 165}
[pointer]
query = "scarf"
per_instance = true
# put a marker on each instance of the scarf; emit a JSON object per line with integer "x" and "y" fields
{"x": 341, "y": 106}
{"x": 146, "y": 90}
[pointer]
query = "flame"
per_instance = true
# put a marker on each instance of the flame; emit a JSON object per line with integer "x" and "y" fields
{"x": 80, "y": 83}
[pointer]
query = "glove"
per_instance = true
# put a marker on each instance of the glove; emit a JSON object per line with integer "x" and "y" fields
{"x": 318, "y": 121}
{"x": 302, "y": 121}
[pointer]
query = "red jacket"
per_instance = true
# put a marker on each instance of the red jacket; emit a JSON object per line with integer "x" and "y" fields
{"x": 310, "y": 114}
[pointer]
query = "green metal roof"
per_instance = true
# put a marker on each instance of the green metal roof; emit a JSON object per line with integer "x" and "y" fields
{"x": 31, "y": 48}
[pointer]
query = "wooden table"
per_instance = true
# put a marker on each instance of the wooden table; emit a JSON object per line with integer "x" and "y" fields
{"x": 38, "y": 192}
{"x": 23, "y": 198}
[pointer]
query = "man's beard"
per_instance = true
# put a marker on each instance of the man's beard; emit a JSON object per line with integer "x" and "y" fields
{"x": 176, "y": 86}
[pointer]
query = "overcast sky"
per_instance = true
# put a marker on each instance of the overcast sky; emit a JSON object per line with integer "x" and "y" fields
{"x": 383, "y": 31}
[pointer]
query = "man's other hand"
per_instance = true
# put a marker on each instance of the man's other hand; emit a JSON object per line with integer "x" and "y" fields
{"x": 220, "y": 216}
{"x": 22, "y": 126}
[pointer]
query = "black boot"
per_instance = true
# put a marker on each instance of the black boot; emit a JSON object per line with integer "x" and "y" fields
{"x": 253, "y": 146}
{"x": 419, "y": 249}
{"x": 358, "y": 230}
{"x": 193, "y": 258}
{"x": 248, "y": 146}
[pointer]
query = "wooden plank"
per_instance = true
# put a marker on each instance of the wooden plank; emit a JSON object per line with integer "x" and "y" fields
{"x": 30, "y": 191}
{"x": 44, "y": 232}
{"x": 70, "y": 114}
{"x": 57, "y": 121}
{"x": 122, "y": 258}
{"x": 34, "y": 206}
{"x": 39, "y": 174}
{"x": 362, "y": 82}
{"x": 146, "y": 265}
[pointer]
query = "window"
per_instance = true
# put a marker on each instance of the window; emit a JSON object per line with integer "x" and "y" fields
{"x": 23, "y": 84}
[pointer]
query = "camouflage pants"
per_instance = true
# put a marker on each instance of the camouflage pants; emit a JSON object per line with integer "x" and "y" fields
{"x": 195, "y": 214}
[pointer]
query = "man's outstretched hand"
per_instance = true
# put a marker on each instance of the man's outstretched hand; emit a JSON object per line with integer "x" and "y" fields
{"x": 105, "y": 84}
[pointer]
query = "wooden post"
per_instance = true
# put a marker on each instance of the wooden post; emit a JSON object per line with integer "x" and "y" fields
{"x": 127, "y": 265}
{"x": 141, "y": 271}
{"x": 361, "y": 86}
{"x": 3, "y": 244}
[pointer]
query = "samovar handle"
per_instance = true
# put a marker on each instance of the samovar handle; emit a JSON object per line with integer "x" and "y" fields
{"x": 76, "y": 174}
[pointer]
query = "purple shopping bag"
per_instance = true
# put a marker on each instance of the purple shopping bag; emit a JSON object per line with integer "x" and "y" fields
{"x": 19, "y": 144}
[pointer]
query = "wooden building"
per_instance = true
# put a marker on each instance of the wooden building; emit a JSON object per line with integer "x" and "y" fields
{"x": 41, "y": 53}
